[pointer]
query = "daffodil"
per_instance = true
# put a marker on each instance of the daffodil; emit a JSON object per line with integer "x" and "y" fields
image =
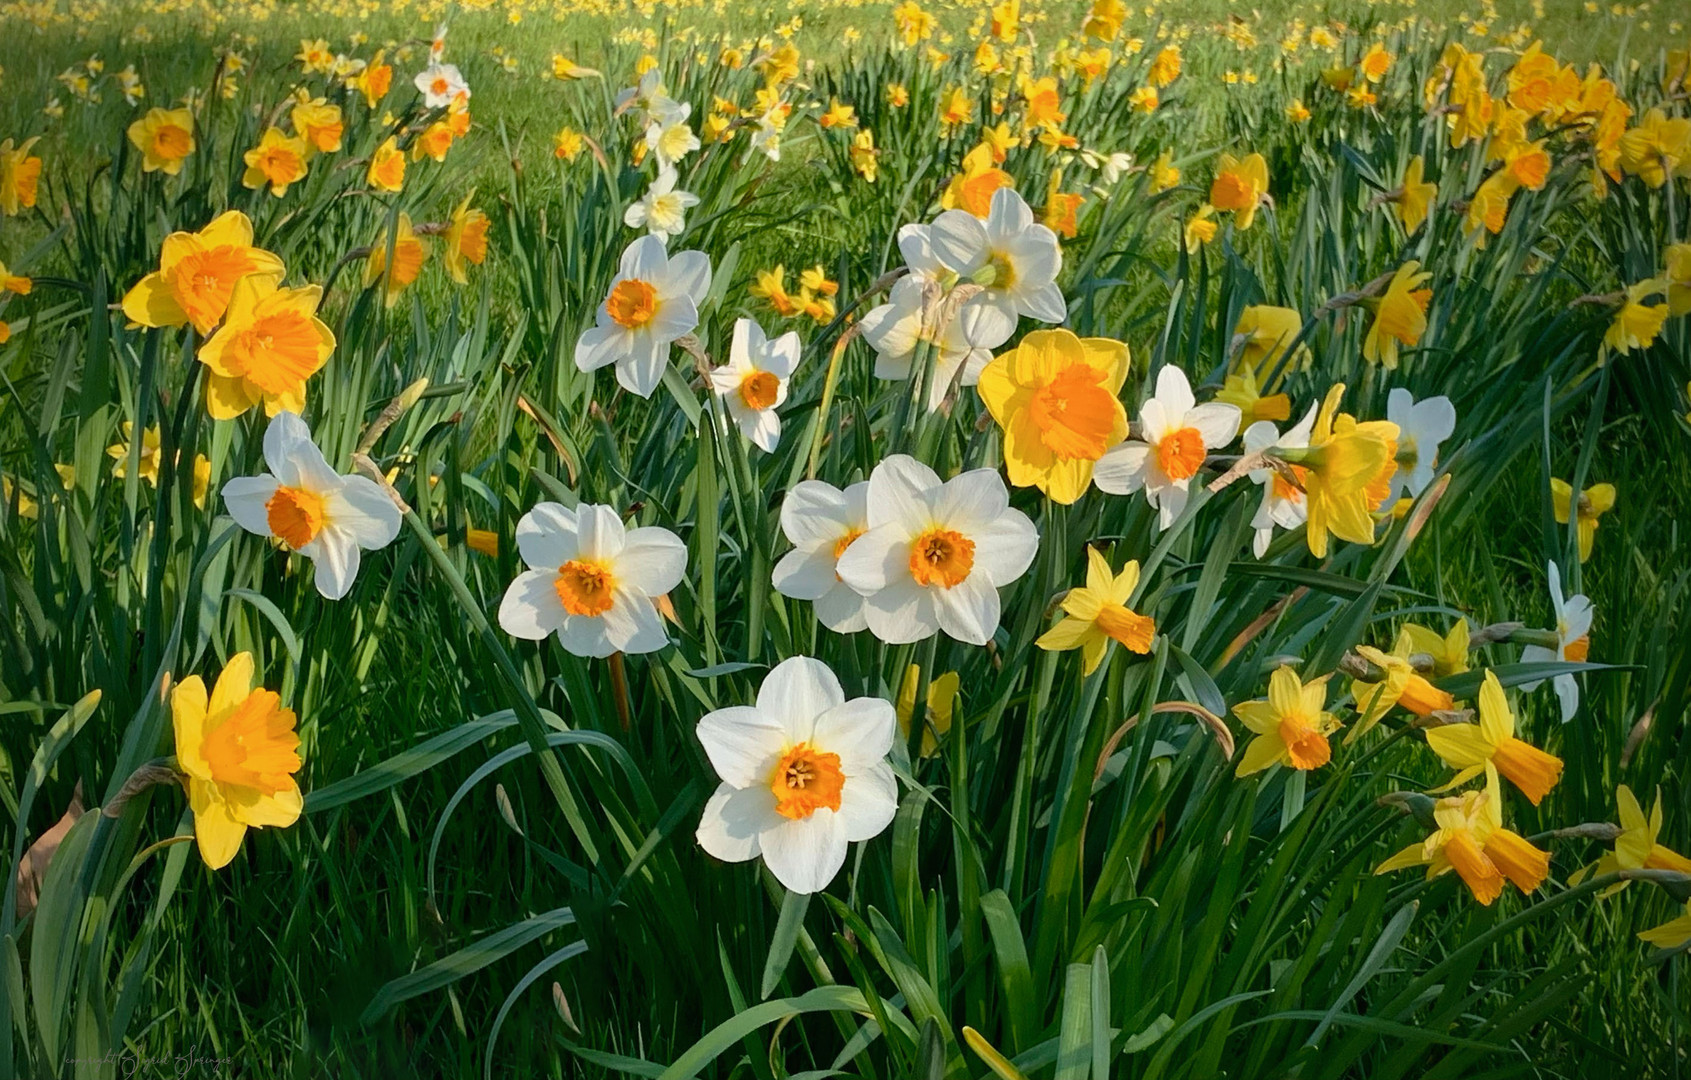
{"x": 1283, "y": 502}
{"x": 1200, "y": 229}
{"x": 1165, "y": 66}
{"x": 803, "y": 775}
{"x": 466, "y": 239}
{"x": 1491, "y": 746}
{"x": 863, "y": 155}
{"x": 1096, "y": 614}
{"x": 1448, "y": 652}
{"x": 16, "y": 284}
{"x": 753, "y": 383}
{"x": 409, "y": 253}
{"x": 1658, "y": 147}
{"x": 319, "y": 124}
{"x": 941, "y": 704}
{"x": 1592, "y": 504}
{"x": 433, "y": 142}
{"x": 197, "y": 275}
{"x": 1573, "y": 643}
{"x": 1240, "y": 186}
{"x": 1637, "y": 323}
{"x": 1291, "y": 726}
{"x": 662, "y": 211}
{"x": 1400, "y": 685}
{"x": 1244, "y": 393}
{"x": 387, "y": 167}
{"x": 150, "y": 454}
{"x": 1375, "y": 63}
{"x": 1414, "y": 196}
{"x": 1422, "y": 426}
{"x": 1343, "y": 459}
{"x": 652, "y": 301}
{"x": 165, "y": 138}
{"x": 973, "y": 188}
{"x": 821, "y": 522}
{"x": 1471, "y": 840}
{"x": 1400, "y": 316}
{"x": 20, "y": 173}
{"x": 669, "y": 137}
{"x": 1671, "y": 934}
{"x": 278, "y": 160}
{"x": 910, "y": 327}
{"x": 1264, "y": 334}
{"x": 1637, "y": 847}
{"x": 374, "y": 81}
{"x": 1175, "y": 436}
{"x": 240, "y": 752}
{"x": 439, "y": 84}
{"x": 310, "y": 509}
{"x": 1014, "y": 258}
{"x": 270, "y": 344}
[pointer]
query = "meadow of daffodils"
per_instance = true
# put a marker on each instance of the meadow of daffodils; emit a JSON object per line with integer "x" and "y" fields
{"x": 923, "y": 540}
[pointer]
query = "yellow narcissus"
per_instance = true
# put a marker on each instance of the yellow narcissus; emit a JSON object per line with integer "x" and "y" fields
{"x": 1268, "y": 332}
{"x": 466, "y": 239}
{"x": 1239, "y": 186}
{"x": 270, "y": 343}
{"x": 1636, "y": 848}
{"x": 165, "y": 138}
{"x": 1291, "y": 726}
{"x": 387, "y": 167}
{"x": 1400, "y": 317}
{"x": 1592, "y": 504}
{"x": 1401, "y": 685}
{"x": 1413, "y": 198}
{"x": 197, "y": 274}
{"x": 1471, "y": 840}
{"x": 1055, "y": 397}
{"x": 240, "y": 752}
{"x": 20, "y": 172}
{"x": 1637, "y": 323}
{"x": 319, "y": 124}
{"x": 408, "y": 255}
{"x": 277, "y": 160}
{"x": 1490, "y": 746}
{"x": 1344, "y": 459}
{"x": 1096, "y": 614}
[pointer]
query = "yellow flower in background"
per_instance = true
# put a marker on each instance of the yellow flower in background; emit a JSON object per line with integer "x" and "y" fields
{"x": 16, "y": 284}
{"x": 197, "y": 274}
{"x": 1144, "y": 99}
{"x": 1006, "y": 20}
{"x": 1491, "y": 747}
{"x": 1291, "y": 726}
{"x": 1401, "y": 686}
{"x": 1062, "y": 208}
{"x": 1636, "y": 848}
{"x": 1164, "y": 174}
{"x": 319, "y": 124}
{"x": 314, "y": 56}
{"x": 898, "y": 96}
{"x": 1096, "y": 614}
{"x": 408, "y": 255}
{"x": 374, "y": 81}
{"x": 863, "y": 155}
{"x": 1297, "y": 112}
{"x": 1678, "y": 277}
{"x": 1400, "y": 317}
{"x": 240, "y": 752}
{"x": 148, "y": 468}
{"x": 1657, "y": 148}
{"x": 1342, "y": 460}
{"x": 972, "y": 189}
{"x": 1239, "y": 186}
{"x": 1375, "y": 63}
{"x": 20, "y": 173}
{"x": 1104, "y": 20}
{"x": 913, "y": 24}
{"x": 1268, "y": 332}
{"x": 1449, "y": 652}
{"x": 1414, "y": 196}
{"x": 1055, "y": 397}
{"x": 566, "y": 70}
{"x": 165, "y": 137}
{"x": 771, "y": 285}
{"x": 1592, "y": 504}
{"x": 941, "y": 705}
{"x": 387, "y": 167}
{"x": 1636, "y": 324}
{"x": 1671, "y": 934}
{"x": 433, "y": 142}
{"x": 277, "y": 160}
{"x": 271, "y": 342}
{"x": 1200, "y": 229}
{"x": 466, "y": 239}
{"x": 956, "y": 109}
{"x": 1471, "y": 840}
{"x": 838, "y": 115}
{"x": 1165, "y": 67}
{"x": 1489, "y": 207}
{"x": 1243, "y": 393}
{"x": 567, "y": 143}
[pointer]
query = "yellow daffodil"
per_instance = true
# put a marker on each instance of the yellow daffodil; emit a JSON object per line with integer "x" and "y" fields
{"x": 409, "y": 253}
{"x": 271, "y": 342}
{"x": 387, "y": 167}
{"x": 1400, "y": 316}
{"x": 1266, "y": 333}
{"x": 1244, "y": 393}
{"x": 319, "y": 124}
{"x": 1239, "y": 186}
{"x": 1291, "y": 726}
{"x": 863, "y": 155}
{"x": 1375, "y": 63}
{"x": 1097, "y": 613}
{"x": 374, "y": 81}
{"x": 1671, "y": 934}
{"x": 1471, "y": 840}
{"x": 197, "y": 274}
{"x": 20, "y": 173}
{"x": 1636, "y": 848}
{"x": 17, "y": 284}
{"x": 567, "y": 143}
{"x": 1657, "y": 148}
{"x": 1637, "y": 323}
{"x": 150, "y": 452}
{"x": 466, "y": 239}
{"x": 942, "y": 702}
{"x": 1490, "y": 746}
{"x": 1449, "y": 652}
{"x": 1200, "y": 229}
{"x": 1343, "y": 459}
{"x": 1164, "y": 174}
{"x": 165, "y": 138}
{"x": 1413, "y": 197}
{"x": 278, "y": 160}
{"x": 1401, "y": 686}
{"x": 1592, "y": 504}
{"x": 1165, "y": 67}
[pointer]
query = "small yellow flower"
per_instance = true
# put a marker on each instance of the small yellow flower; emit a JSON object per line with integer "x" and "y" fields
{"x": 277, "y": 160}
{"x": 863, "y": 153}
{"x": 150, "y": 454}
{"x": 1491, "y": 747}
{"x": 1096, "y": 614}
{"x": 1400, "y": 316}
{"x": 1268, "y": 332}
{"x": 1592, "y": 504}
{"x": 1291, "y": 725}
{"x": 1200, "y": 229}
{"x": 387, "y": 167}
{"x": 409, "y": 253}
{"x": 1471, "y": 840}
{"x": 1636, "y": 324}
{"x": 1239, "y": 186}
{"x": 466, "y": 239}
{"x": 20, "y": 172}
{"x": 165, "y": 137}
{"x": 1636, "y": 848}
{"x": 942, "y": 703}
{"x": 567, "y": 143}
{"x": 1414, "y": 196}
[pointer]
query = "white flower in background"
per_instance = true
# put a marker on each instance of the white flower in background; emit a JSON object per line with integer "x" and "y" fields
{"x": 1283, "y": 504}
{"x": 1013, "y": 256}
{"x": 654, "y": 300}
{"x": 649, "y": 97}
{"x": 753, "y": 383}
{"x": 310, "y": 508}
{"x": 1422, "y": 426}
{"x": 897, "y": 328}
{"x": 591, "y": 581}
{"x": 821, "y": 522}
{"x": 670, "y": 138}
{"x": 1573, "y": 643}
{"x": 766, "y": 137}
{"x": 1173, "y": 437}
{"x": 804, "y": 775}
{"x": 936, "y": 554}
{"x": 439, "y": 84}
{"x": 662, "y": 210}
{"x": 437, "y": 44}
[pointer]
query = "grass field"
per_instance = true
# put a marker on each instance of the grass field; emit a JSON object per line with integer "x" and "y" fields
{"x": 450, "y": 632}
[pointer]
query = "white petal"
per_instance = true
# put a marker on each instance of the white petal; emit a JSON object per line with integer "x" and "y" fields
{"x": 689, "y": 273}
{"x": 796, "y": 691}
{"x": 814, "y": 512}
{"x": 804, "y": 855}
{"x": 1567, "y": 690}
{"x": 732, "y": 821}
{"x": 283, "y": 438}
{"x": 640, "y": 371}
{"x": 337, "y": 559}
{"x": 868, "y": 802}
{"x": 1121, "y": 471}
{"x": 1174, "y": 393}
{"x": 840, "y": 609}
{"x": 806, "y": 573}
{"x": 902, "y": 612}
{"x": 246, "y": 498}
{"x": 600, "y": 532}
{"x": 898, "y": 493}
{"x": 1005, "y": 547}
{"x": 1045, "y": 304}
{"x": 599, "y": 346}
{"x": 531, "y": 608}
{"x": 1217, "y": 422}
{"x": 584, "y": 635}
{"x": 876, "y": 560}
{"x": 971, "y": 500}
{"x": 653, "y": 560}
{"x": 363, "y": 509}
{"x": 547, "y": 536}
{"x": 860, "y": 731}
{"x": 959, "y": 241}
{"x": 743, "y": 744}
{"x": 969, "y": 611}
{"x": 1008, "y": 215}
{"x": 647, "y": 634}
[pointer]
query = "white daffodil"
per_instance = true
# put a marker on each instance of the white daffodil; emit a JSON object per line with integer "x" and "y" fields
{"x": 670, "y": 137}
{"x": 1573, "y": 643}
{"x": 310, "y": 508}
{"x": 654, "y": 300}
{"x": 1014, "y": 257}
{"x": 821, "y": 522}
{"x": 591, "y": 581}
{"x": 1283, "y": 504}
{"x": 662, "y": 210}
{"x": 1174, "y": 436}
{"x": 753, "y": 383}
{"x": 936, "y": 554}
{"x": 437, "y": 44}
{"x": 804, "y": 775}
{"x": 899, "y": 327}
{"x": 649, "y": 98}
{"x": 1422, "y": 426}
{"x": 439, "y": 84}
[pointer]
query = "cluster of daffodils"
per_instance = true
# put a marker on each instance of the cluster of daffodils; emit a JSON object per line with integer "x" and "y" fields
{"x": 667, "y": 137}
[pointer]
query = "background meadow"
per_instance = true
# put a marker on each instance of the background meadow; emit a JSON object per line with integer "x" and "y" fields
{"x": 496, "y": 873}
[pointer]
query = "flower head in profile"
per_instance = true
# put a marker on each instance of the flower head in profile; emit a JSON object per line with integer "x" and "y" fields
{"x": 387, "y": 167}
{"x": 1291, "y": 725}
{"x": 803, "y": 775}
{"x": 1400, "y": 316}
{"x": 1175, "y": 436}
{"x": 1471, "y": 840}
{"x": 1671, "y": 934}
{"x": 662, "y": 211}
{"x": 466, "y": 239}
{"x": 1414, "y": 196}
{"x": 1283, "y": 502}
{"x": 1054, "y": 396}
{"x": 1491, "y": 747}
{"x": 1422, "y": 427}
{"x": 936, "y": 552}
{"x": 165, "y": 138}
{"x": 1636, "y": 322}
{"x": 1637, "y": 846}
{"x": 240, "y": 752}
{"x": 20, "y": 174}
{"x": 1263, "y": 336}
{"x": 1393, "y": 682}
{"x": 822, "y": 522}
{"x": 753, "y": 383}
{"x": 1592, "y": 504}
{"x": 1342, "y": 464}
{"x": 310, "y": 509}
{"x": 197, "y": 275}
{"x": 653, "y": 301}
{"x": 409, "y": 252}
{"x": 439, "y": 84}
{"x": 319, "y": 124}
{"x": 1573, "y": 643}
{"x": 1096, "y": 614}
{"x": 270, "y": 344}
{"x": 1448, "y": 651}
{"x": 1240, "y": 186}
{"x": 278, "y": 160}
{"x": 941, "y": 704}
{"x": 591, "y": 581}
{"x": 1013, "y": 257}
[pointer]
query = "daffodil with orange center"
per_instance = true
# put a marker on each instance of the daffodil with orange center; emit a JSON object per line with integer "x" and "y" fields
{"x": 271, "y": 342}
{"x": 1637, "y": 847}
{"x": 466, "y": 239}
{"x": 1055, "y": 397}
{"x": 1175, "y": 437}
{"x": 197, "y": 275}
{"x": 1492, "y": 748}
{"x": 1343, "y": 458}
{"x": 1400, "y": 316}
{"x": 375, "y": 80}
{"x": 165, "y": 138}
{"x": 20, "y": 173}
{"x": 1239, "y": 186}
{"x": 1592, "y": 504}
{"x": 1399, "y": 685}
{"x": 1414, "y": 196}
{"x": 278, "y": 160}
{"x": 240, "y": 752}
{"x": 972, "y": 189}
{"x": 1471, "y": 840}
{"x": 1291, "y": 725}
{"x": 409, "y": 253}
{"x": 1165, "y": 67}
{"x": 387, "y": 167}
{"x": 1636, "y": 322}
{"x": 1097, "y": 613}
{"x": 319, "y": 124}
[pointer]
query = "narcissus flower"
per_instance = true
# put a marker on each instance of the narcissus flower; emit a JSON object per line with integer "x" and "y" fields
{"x": 150, "y": 454}
{"x": 1592, "y": 504}
{"x": 1400, "y": 686}
{"x": 466, "y": 239}
{"x": 277, "y": 160}
{"x": 1414, "y": 196}
{"x": 1054, "y": 395}
{"x": 804, "y": 775}
{"x": 1291, "y": 726}
{"x": 1471, "y": 840}
{"x": 669, "y": 137}
{"x": 311, "y": 509}
{"x": 1096, "y": 614}
{"x": 271, "y": 342}
{"x": 1636, "y": 848}
{"x": 1343, "y": 460}
{"x": 591, "y": 581}
{"x": 1448, "y": 652}
{"x": 1657, "y": 148}
{"x": 1014, "y": 258}
{"x": 1400, "y": 316}
{"x": 197, "y": 275}
{"x": 387, "y": 167}
{"x": 374, "y": 81}
{"x": 1200, "y": 229}
{"x": 662, "y": 211}
{"x": 1491, "y": 747}
{"x": 434, "y": 142}
{"x": 318, "y": 123}
{"x": 863, "y": 155}
{"x": 165, "y": 138}
{"x": 1671, "y": 934}
{"x": 753, "y": 383}
{"x": 409, "y": 253}
{"x": 1573, "y": 643}
{"x": 16, "y": 284}
{"x": 240, "y": 752}
{"x": 1239, "y": 186}
{"x": 20, "y": 173}
{"x": 1175, "y": 436}
{"x": 1165, "y": 66}
{"x": 567, "y": 143}
{"x": 1421, "y": 427}
{"x": 1637, "y": 323}
{"x": 1283, "y": 503}
{"x": 936, "y": 553}
{"x": 653, "y": 301}
{"x": 821, "y": 522}
{"x": 439, "y": 84}
{"x": 1265, "y": 333}
{"x": 942, "y": 703}
{"x": 1375, "y": 63}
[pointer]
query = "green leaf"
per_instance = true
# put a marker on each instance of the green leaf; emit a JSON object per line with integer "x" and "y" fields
{"x": 787, "y": 927}
{"x": 466, "y": 961}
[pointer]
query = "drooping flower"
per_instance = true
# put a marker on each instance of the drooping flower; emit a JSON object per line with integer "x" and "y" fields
{"x": 240, "y": 752}
{"x": 270, "y": 344}
{"x": 1422, "y": 426}
{"x": 1592, "y": 504}
{"x": 197, "y": 275}
{"x": 165, "y": 138}
{"x": 1573, "y": 643}
{"x": 1414, "y": 196}
{"x": 1291, "y": 725}
{"x": 821, "y": 522}
{"x": 277, "y": 160}
{"x": 1491, "y": 747}
{"x": 466, "y": 239}
{"x": 1471, "y": 840}
{"x": 804, "y": 775}
{"x": 1175, "y": 435}
{"x": 1239, "y": 186}
{"x": 20, "y": 173}
{"x": 387, "y": 167}
{"x": 409, "y": 253}
{"x": 1637, "y": 323}
{"x": 1400, "y": 317}
{"x": 1244, "y": 393}
{"x": 753, "y": 383}
{"x": 652, "y": 301}
{"x": 936, "y": 553}
{"x": 1400, "y": 686}
{"x": 591, "y": 581}
{"x": 1014, "y": 258}
{"x": 1657, "y": 147}
{"x": 1636, "y": 848}
{"x": 1054, "y": 396}
{"x": 1265, "y": 333}
{"x": 1096, "y": 614}
{"x": 662, "y": 211}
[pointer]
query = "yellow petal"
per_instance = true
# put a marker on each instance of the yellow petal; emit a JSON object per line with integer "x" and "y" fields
{"x": 233, "y": 687}
{"x": 187, "y": 717}
{"x": 218, "y": 833}
{"x": 227, "y": 397}
{"x": 152, "y": 303}
{"x": 257, "y": 809}
{"x": 1263, "y": 751}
